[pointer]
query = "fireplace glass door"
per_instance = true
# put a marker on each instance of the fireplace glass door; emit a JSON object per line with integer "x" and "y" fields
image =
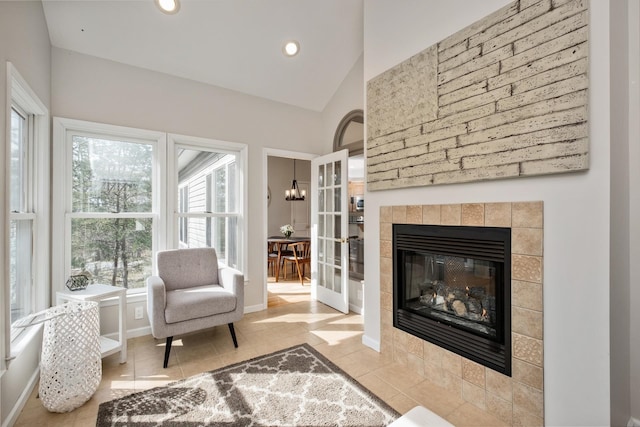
{"x": 457, "y": 290}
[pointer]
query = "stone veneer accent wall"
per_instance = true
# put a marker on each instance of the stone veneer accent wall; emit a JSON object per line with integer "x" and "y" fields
{"x": 504, "y": 97}
{"x": 517, "y": 400}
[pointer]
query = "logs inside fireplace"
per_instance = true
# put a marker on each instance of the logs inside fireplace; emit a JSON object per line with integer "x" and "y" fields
{"x": 452, "y": 287}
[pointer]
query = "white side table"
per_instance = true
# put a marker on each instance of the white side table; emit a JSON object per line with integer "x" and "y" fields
{"x": 99, "y": 293}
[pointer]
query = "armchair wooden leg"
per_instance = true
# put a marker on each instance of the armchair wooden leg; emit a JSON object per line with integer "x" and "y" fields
{"x": 167, "y": 350}
{"x": 233, "y": 335}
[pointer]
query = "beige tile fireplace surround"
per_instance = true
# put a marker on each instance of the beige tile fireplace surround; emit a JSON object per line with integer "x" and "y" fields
{"x": 518, "y": 399}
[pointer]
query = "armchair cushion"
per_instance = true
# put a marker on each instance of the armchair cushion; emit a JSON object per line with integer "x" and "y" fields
{"x": 197, "y": 302}
{"x": 182, "y": 269}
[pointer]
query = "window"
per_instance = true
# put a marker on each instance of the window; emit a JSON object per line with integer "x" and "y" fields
{"x": 183, "y": 222}
{"x": 211, "y": 211}
{"x": 350, "y": 133}
{"x": 22, "y": 217}
{"x": 109, "y": 208}
{"x": 26, "y": 204}
{"x": 112, "y": 215}
{"x": 114, "y": 187}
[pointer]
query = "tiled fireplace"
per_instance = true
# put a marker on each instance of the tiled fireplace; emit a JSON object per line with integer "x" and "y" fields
{"x": 516, "y": 399}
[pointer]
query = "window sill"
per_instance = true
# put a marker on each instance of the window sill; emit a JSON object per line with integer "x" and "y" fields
{"x": 19, "y": 343}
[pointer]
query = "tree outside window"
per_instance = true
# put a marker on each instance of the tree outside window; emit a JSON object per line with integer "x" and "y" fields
{"x": 112, "y": 220}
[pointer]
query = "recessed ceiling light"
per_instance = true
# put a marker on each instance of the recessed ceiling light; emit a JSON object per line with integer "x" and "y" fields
{"x": 291, "y": 48}
{"x": 169, "y": 6}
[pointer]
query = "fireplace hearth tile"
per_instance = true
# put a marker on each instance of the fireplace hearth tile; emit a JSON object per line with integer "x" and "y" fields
{"x": 400, "y": 356}
{"x": 528, "y": 374}
{"x": 526, "y": 322}
{"x": 415, "y": 364}
{"x": 385, "y": 248}
{"x": 499, "y": 385}
{"x": 469, "y": 415}
{"x": 474, "y": 394}
{"x": 386, "y": 284}
{"x": 432, "y": 353}
{"x": 528, "y": 398}
{"x": 521, "y": 418}
{"x": 434, "y": 397}
{"x": 501, "y": 408}
{"x": 524, "y": 267}
{"x": 386, "y": 214}
{"x": 399, "y": 214}
{"x": 452, "y": 362}
{"x": 472, "y": 214}
{"x": 386, "y": 301}
{"x": 397, "y": 376}
{"x": 386, "y": 231}
{"x": 526, "y": 295}
{"x": 447, "y": 380}
{"x": 473, "y": 372}
{"x": 414, "y": 346}
{"x": 527, "y": 349}
{"x": 414, "y": 214}
{"x": 527, "y": 214}
{"x": 497, "y": 214}
{"x": 450, "y": 214}
{"x": 431, "y": 214}
{"x": 526, "y": 241}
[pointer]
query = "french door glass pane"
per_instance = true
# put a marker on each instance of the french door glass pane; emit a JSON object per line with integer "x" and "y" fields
{"x": 115, "y": 251}
{"x": 337, "y": 176}
{"x": 20, "y": 251}
{"x": 111, "y": 175}
{"x": 320, "y": 200}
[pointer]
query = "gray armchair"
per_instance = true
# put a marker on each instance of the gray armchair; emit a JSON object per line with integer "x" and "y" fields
{"x": 191, "y": 292}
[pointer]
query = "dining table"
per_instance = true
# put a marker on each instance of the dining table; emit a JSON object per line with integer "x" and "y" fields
{"x": 281, "y": 243}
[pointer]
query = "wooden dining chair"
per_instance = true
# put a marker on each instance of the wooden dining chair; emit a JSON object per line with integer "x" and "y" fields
{"x": 301, "y": 256}
{"x": 272, "y": 256}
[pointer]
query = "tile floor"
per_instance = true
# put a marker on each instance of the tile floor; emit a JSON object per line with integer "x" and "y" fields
{"x": 291, "y": 319}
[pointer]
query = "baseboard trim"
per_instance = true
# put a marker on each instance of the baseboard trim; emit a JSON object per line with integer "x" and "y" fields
{"x": 355, "y": 308}
{"x": 22, "y": 400}
{"x": 132, "y": 333}
{"x": 633, "y": 422}
{"x": 254, "y": 308}
{"x": 369, "y": 342}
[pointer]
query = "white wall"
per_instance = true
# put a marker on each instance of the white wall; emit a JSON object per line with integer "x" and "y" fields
{"x": 634, "y": 204}
{"x": 24, "y": 40}
{"x": 576, "y": 210}
{"x": 348, "y": 97}
{"x": 89, "y": 88}
{"x": 620, "y": 217}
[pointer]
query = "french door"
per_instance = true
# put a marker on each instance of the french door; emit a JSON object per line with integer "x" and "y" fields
{"x": 329, "y": 223}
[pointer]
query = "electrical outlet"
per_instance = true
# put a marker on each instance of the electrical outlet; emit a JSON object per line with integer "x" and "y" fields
{"x": 138, "y": 314}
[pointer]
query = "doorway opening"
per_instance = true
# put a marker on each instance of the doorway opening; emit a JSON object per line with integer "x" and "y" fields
{"x": 288, "y": 258}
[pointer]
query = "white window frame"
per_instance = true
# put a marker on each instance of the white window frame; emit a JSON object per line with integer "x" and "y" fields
{"x": 204, "y": 144}
{"x": 20, "y": 94}
{"x": 63, "y": 129}
{"x": 183, "y": 223}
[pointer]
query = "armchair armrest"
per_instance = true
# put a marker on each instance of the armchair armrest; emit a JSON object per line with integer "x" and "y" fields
{"x": 156, "y": 303}
{"x": 233, "y": 281}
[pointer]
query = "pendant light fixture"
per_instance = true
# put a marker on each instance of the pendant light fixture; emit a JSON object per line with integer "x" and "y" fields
{"x": 294, "y": 194}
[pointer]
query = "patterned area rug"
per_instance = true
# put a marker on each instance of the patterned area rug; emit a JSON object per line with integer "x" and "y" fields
{"x": 292, "y": 387}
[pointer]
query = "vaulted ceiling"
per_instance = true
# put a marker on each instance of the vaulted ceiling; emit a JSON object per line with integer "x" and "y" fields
{"x": 235, "y": 44}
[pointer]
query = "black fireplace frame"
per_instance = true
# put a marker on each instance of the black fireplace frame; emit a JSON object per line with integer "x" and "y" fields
{"x": 487, "y": 243}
